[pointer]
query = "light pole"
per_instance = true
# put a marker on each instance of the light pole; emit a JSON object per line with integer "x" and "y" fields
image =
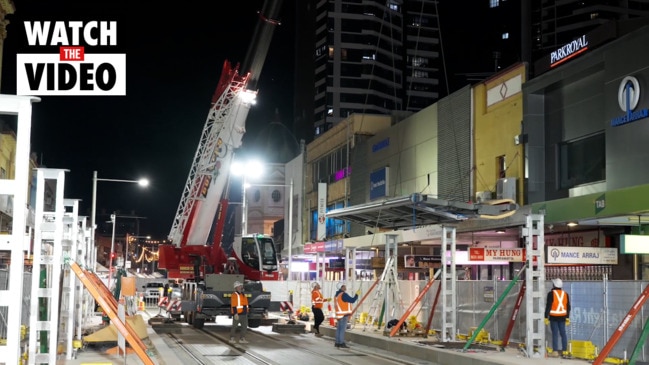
{"x": 255, "y": 169}
{"x": 249, "y": 169}
{"x": 128, "y": 240}
{"x": 93, "y": 213}
{"x": 290, "y": 218}
{"x": 113, "y": 218}
{"x": 244, "y": 209}
{"x": 290, "y": 229}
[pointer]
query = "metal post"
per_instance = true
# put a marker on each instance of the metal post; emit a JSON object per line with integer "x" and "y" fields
{"x": 126, "y": 267}
{"x": 113, "y": 218}
{"x": 244, "y": 210}
{"x": 290, "y": 229}
{"x": 93, "y": 212}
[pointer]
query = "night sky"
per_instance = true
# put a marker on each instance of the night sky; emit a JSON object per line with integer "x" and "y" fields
{"x": 174, "y": 57}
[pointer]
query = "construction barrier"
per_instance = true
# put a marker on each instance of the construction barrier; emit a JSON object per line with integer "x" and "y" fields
{"x": 286, "y": 306}
{"x": 331, "y": 316}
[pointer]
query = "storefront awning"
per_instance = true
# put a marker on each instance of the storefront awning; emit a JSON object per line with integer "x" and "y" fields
{"x": 419, "y": 210}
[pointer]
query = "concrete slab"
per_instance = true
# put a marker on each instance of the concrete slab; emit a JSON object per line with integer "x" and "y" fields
{"x": 288, "y": 328}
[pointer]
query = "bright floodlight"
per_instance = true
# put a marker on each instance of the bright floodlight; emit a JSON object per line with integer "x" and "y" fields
{"x": 249, "y": 96}
{"x": 143, "y": 182}
{"x": 251, "y": 169}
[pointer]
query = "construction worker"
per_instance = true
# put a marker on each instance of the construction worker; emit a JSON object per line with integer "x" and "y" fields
{"x": 343, "y": 311}
{"x": 317, "y": 300}
{"x": 239, "y": 310}
{"x": 557, "y": 316}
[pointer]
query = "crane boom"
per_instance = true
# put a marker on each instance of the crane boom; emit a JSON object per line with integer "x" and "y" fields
{"x": 221, "y": 136}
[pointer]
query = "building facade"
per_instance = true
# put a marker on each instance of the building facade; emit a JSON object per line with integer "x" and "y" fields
{"x": 373, "y": 57}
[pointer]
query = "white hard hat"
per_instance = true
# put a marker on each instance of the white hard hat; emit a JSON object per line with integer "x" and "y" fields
{"x": 557, "y": 283}
{"x": 314, "y": 284}
{"x": 237, "y": 284}
{"x": 340, "y": 284}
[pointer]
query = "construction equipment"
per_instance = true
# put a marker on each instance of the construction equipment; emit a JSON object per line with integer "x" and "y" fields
{"x": 414, "y": 304}
{"x": 103, "y": 297}
{"x": 512, "y": 319}
{"x": 493, "y": 309}
{"x": 196, "y": 233}
{"x": 196, "y": 249}
{"x": 387, "y": 287}
{"x": 623, "y": 326}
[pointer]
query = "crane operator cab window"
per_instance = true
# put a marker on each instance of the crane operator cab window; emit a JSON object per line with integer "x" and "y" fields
{"x": 253, "y": 247}
{"x": 269, "y": 255}
{"x": 249, "y": 252}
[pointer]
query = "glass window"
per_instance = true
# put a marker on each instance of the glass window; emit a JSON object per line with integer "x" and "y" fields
{"x": 582, "y": 161}
{"x": 276, "y": 195}
{"x": 501, "y": 167}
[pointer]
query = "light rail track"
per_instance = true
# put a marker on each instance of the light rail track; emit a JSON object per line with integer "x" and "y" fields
{"x": 210, "y": 345}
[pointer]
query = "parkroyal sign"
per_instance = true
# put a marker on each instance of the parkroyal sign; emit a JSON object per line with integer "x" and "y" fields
{"x": 496, "y": 254}
{"x": 568, "y": 51}
{"x": 74, "y": 70}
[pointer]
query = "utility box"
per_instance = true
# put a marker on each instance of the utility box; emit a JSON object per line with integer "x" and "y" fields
{"x": 506, "y": 188}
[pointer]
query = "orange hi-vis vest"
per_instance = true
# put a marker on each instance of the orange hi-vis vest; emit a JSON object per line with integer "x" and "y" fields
{"x": 316, "y": 299}
{"x": 559, "y": 303}
{"x": 240, "y": 302}
{"x": 342, "y": 308}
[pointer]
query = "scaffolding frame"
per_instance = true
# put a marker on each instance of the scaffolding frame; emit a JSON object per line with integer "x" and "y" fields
{"x": 17, "y": 242}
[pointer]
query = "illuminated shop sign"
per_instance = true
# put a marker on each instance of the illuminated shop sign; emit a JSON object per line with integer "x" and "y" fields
{"x": 628, "y": 97}
{"x": 568, "y": 51}
{"x": 574, "y": 48}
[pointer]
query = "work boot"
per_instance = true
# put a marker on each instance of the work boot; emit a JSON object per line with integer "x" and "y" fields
{"x": 343, "y": 346}
{"x": 318, "y": 334}
{"x": 337, "y": 345}
{"x": 565, "y": 355}
{"x": 553, "y": 354}
{"x": 232, "y": 340}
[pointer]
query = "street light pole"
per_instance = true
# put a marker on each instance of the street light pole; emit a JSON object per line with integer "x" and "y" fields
{"x": 244, "y": 210}
{"x": 290, "y": 229}
{"x": 93, "y": 213}
{"x": 113, "y": 218}
{"x": 244, "y": 219}
{"x": 94, "y": 210}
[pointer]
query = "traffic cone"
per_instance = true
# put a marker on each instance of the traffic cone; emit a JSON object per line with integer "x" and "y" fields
{"x": 331, "y": 316}
{"x": 140, "y": 305}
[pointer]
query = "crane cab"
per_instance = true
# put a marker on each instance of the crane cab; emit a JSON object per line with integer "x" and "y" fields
{"x": 256, "y": 257}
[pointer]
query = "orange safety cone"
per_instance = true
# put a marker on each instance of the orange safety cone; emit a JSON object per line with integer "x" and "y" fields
{"x": 331, "y": 316}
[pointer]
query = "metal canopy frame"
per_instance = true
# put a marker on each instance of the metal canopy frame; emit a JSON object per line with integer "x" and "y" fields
{"x": 418, "y": 210}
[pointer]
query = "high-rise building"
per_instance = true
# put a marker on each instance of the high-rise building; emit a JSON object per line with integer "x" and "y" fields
{"x": 369, "y": 56}
{"x": 529, "y": 30}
